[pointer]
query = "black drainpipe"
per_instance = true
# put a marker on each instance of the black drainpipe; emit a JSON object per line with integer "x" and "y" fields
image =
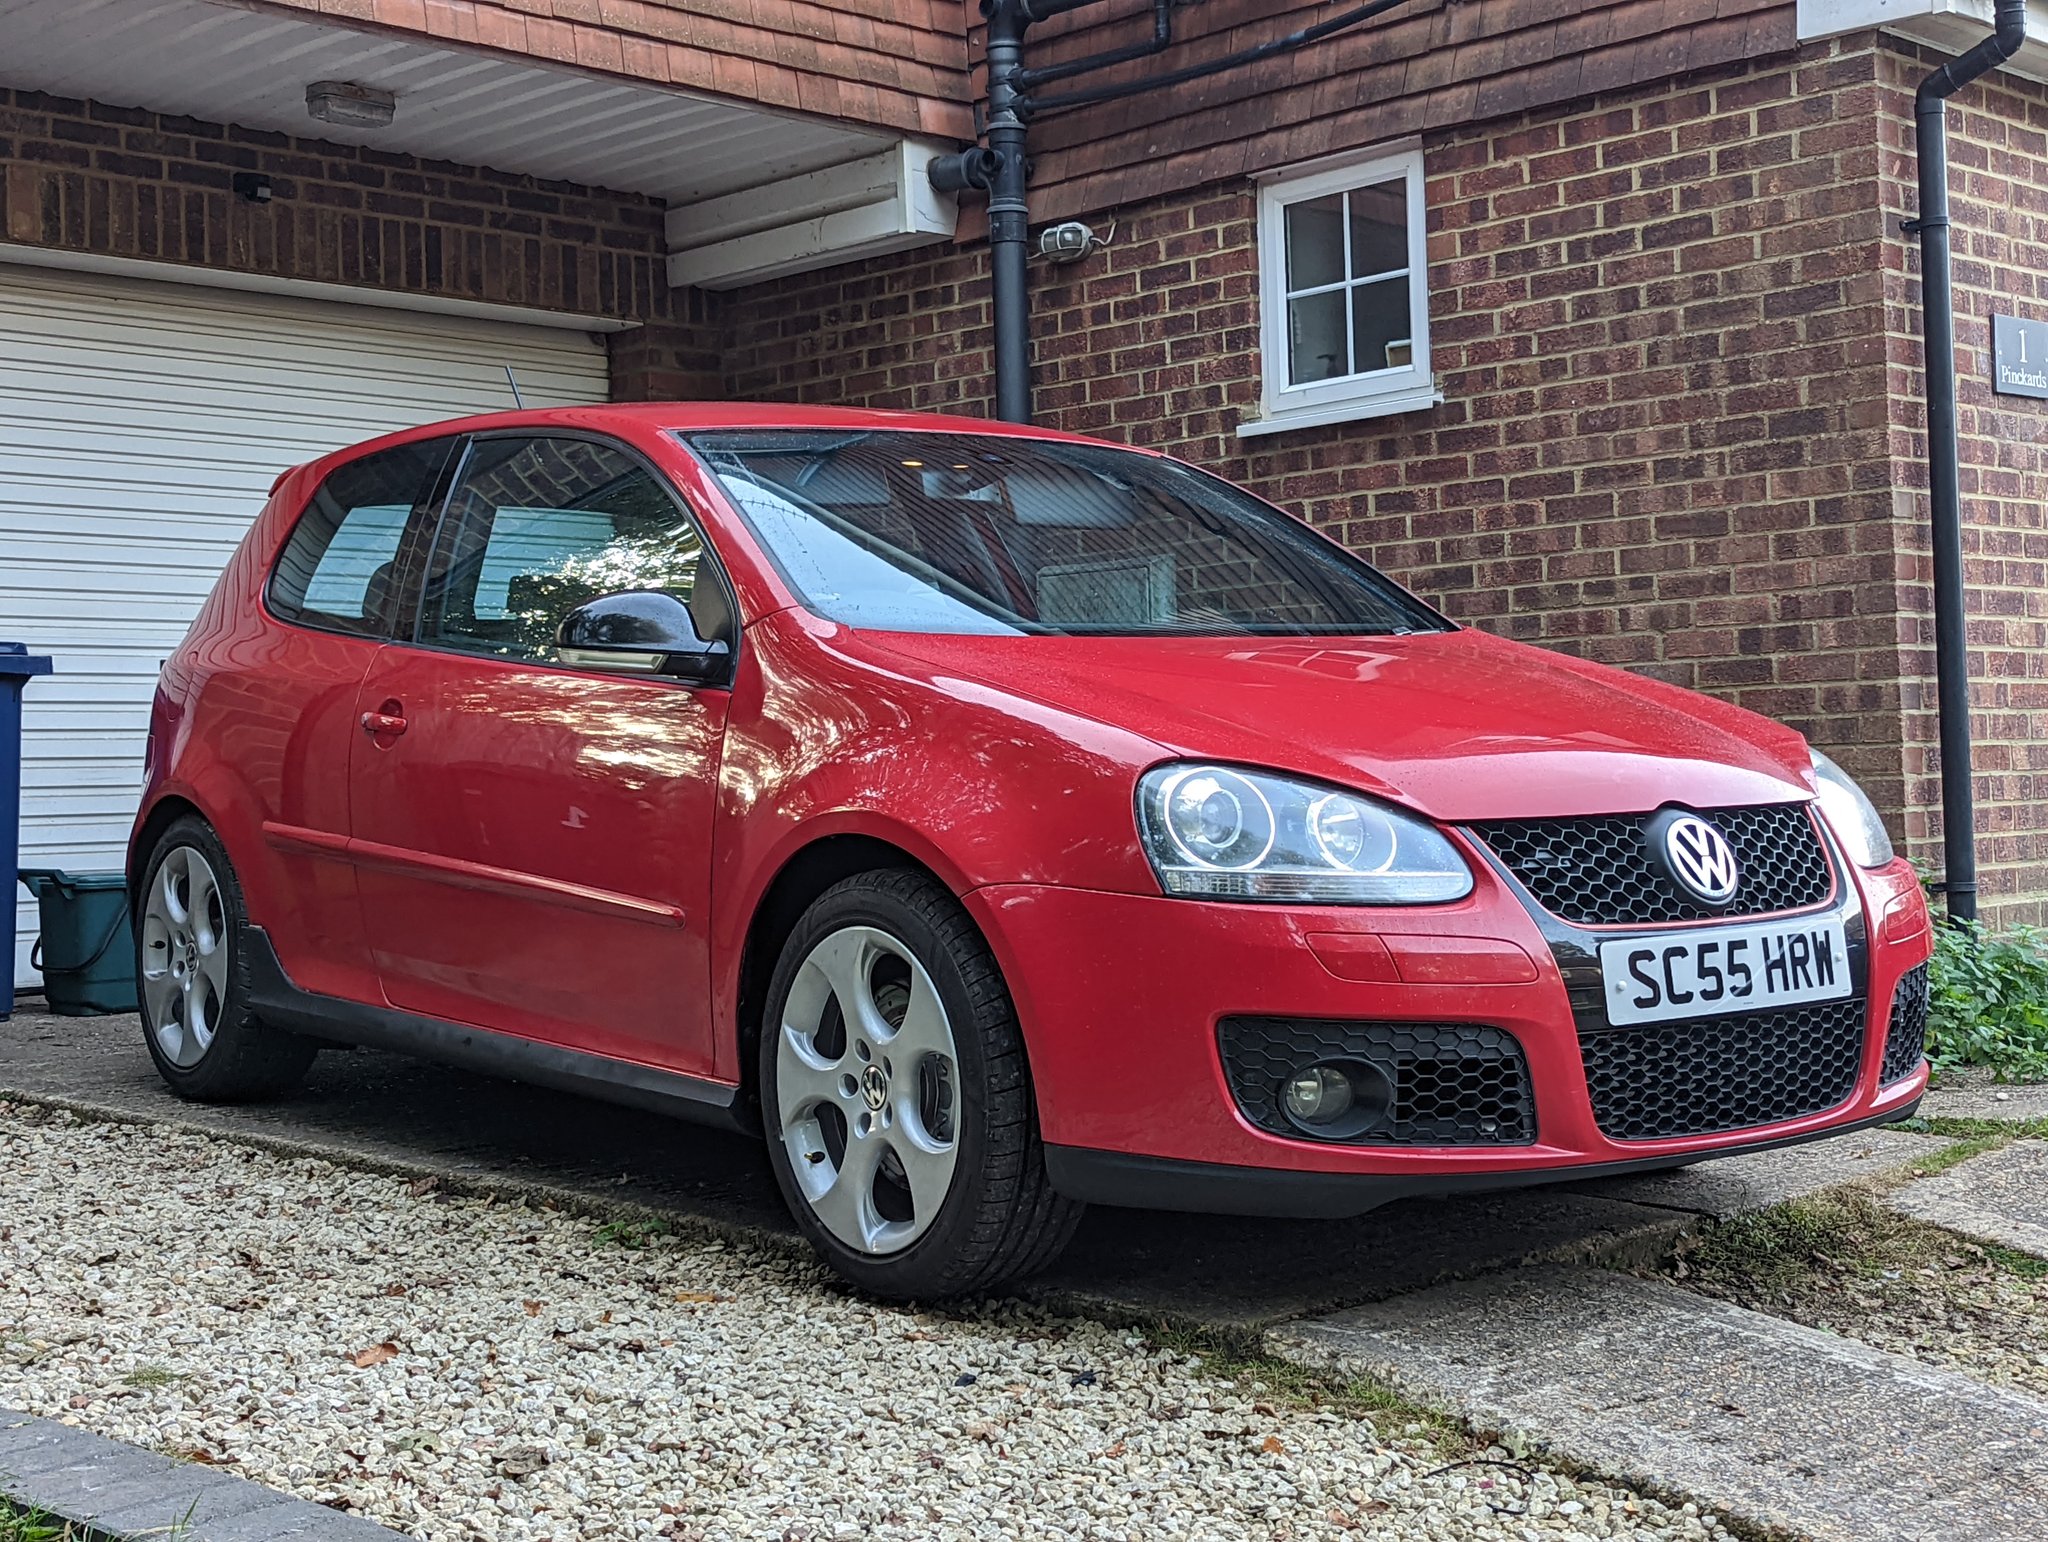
{"x": 1944, "y": 490}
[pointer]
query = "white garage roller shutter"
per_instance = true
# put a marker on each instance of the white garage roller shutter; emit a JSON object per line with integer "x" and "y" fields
{"x": 141, "y": 425}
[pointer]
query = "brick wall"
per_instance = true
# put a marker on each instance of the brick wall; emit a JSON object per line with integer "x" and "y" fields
{"x": 1998, "y": 179}
{"x": 1671, "y": 331}
{"x": 121, "y": 182}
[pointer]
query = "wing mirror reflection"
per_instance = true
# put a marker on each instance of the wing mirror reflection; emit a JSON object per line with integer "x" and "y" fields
{"x": 642, "y": 632}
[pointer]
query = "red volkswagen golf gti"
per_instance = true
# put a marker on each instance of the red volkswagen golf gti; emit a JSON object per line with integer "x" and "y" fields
{"x": 996, "y": 821}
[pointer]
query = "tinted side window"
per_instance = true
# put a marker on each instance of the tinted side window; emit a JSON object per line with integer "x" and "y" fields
{"x": 340, "y": 568}
{"x": 536, "y": 527}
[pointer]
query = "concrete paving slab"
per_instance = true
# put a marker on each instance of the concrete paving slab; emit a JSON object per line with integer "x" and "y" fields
{"x": 1973, "y": 1093}
{"x": 2001, "y": 1196}
{"x": 1762, "y": 1419}
{"x": 366, "y": 1106}
{"x": 129, "y": 1492}
{"x": 1738, "y": 1185}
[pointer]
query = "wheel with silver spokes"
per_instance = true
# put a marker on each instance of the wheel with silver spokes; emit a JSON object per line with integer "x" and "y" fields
{"x": 184, "y": 968}
{"x": 866, "y": 1074}
{"x": 196, "y": 1018}
{"x": 896, "y": 1097}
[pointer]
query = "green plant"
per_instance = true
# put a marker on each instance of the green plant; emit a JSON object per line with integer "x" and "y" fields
{"x": 634, "y": 1234}
{"x": 30, "y": 1526}
{"x": 1990, "y": 1001}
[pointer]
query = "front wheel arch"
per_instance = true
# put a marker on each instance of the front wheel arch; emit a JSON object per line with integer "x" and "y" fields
{"x": 796, "y": 886}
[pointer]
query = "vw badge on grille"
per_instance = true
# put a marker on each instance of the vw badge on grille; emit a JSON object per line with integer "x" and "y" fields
{"x": 1700, "y": 859}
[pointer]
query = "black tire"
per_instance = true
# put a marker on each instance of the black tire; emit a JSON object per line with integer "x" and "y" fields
{"x": 1001, "y": 1219}
{"x": 247, "y": 1059}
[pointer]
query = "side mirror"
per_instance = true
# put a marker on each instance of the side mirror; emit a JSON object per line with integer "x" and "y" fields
{"x": 642, "y": 632}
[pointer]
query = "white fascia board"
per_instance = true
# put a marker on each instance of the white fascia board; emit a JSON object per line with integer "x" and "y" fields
{"x": 881, "y": 203}
{"x": 1949, "y": 25}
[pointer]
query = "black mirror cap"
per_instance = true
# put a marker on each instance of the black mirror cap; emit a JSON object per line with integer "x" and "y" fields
{"x": 647, "y": 622}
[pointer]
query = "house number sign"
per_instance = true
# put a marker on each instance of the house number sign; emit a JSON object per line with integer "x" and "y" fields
{"x": 2019, "y": 356}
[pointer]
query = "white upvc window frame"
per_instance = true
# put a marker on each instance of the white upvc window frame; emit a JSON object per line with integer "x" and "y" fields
{"x": 1374, "y": 393}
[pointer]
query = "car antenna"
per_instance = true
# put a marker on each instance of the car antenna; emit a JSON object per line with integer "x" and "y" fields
{"x": 513, "y": 381}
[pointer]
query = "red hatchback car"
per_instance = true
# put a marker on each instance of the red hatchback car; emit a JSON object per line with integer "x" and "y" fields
{"x": 998, "y": 821}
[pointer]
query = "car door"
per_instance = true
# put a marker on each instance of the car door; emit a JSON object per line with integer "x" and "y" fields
{"x": 287, "y": 709}
{"x": 532, "y": 841}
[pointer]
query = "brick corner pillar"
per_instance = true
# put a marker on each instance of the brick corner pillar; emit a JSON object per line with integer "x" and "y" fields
{"x": 675, "y": 359}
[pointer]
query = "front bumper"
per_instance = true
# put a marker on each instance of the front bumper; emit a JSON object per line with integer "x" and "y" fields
{"x": 1121, "y": 997}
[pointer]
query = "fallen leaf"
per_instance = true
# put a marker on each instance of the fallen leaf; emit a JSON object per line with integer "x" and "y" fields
{"x": 1115, "y": 1451}
{"x": 422, "y": 1186}
{"x": 376, "y": 1354}
{"x": 394, "y": 1290}
{"x": 690, "y": 1296}
{"x": 532, "y": 1308}
{"x": 1272, "y": 1446}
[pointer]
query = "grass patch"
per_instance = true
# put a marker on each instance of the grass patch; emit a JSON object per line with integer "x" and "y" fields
{"x": 1848, "y": 1263}
{"x": 1236, "y": 1357}
{"x": 34, "y": 1526}
{"x": 1958, "y": 1128}
{"x": 150, "y": 1377}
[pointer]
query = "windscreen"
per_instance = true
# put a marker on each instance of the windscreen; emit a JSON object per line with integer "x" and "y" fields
{"x": 912, "y": 531}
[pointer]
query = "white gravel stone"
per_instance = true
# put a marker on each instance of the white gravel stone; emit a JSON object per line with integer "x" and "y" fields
{"x": 468, "y": 1368}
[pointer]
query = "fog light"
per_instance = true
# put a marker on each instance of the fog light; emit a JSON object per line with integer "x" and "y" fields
{"x": 1319, "y": 1095}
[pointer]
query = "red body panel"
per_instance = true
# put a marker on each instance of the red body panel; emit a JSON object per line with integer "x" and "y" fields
{"x": 534, "y": 851}
{"x": 578, "y": 859}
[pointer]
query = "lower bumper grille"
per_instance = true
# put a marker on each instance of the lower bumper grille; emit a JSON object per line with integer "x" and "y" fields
{"x": 1662, "y": 1080}
{"x": 1905, "y": 1043}
{"x": 1452, "y": 1084}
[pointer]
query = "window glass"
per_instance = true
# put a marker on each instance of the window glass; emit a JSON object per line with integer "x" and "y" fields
{"x": 1346, "y": 292}
{"x": 339, "y": 570}
{"x": 537, "y": 527}
{"x": 913, "y": 531}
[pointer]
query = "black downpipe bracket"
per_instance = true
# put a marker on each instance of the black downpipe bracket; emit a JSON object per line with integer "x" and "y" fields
{"x": 1944, "y": 488}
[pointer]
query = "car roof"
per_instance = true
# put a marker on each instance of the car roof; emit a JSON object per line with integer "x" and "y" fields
{"x": 692, "y": 417}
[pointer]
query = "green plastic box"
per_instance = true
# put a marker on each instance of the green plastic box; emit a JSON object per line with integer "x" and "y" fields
{"x": 87, "y": 950}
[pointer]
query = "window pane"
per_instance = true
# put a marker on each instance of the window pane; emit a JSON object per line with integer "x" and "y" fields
{"x": 538, "y": 527}
{"x": 1315, "y": 242}
{"x": 1380, "y": 327}
{"x": 339, "y": 568}
{"x": 1379, "y": 228}
{"x": 1315, "y": 338}
{"x": 933, "y": 532}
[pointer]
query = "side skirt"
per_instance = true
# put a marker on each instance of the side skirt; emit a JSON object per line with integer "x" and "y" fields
{"x": 277, "y": 1000}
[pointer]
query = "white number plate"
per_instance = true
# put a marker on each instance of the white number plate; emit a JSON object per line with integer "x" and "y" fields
{"x": 1725, "y": 969}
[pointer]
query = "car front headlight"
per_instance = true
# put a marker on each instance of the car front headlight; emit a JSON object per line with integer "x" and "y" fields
{"x": 1851, "y": 815}
{"x": 1213, "y": 832}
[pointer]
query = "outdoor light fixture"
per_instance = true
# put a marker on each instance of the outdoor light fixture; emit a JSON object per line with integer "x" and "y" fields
{"x": 253, "y": 187}
{"x": 349, "y": 105}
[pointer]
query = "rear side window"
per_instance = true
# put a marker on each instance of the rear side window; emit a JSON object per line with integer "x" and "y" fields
{"x": 537, "y": 527}
{"x": 340, "y": 569}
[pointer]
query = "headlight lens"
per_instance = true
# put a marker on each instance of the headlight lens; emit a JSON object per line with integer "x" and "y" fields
{"x": 1851, "y": 815}
{"x": 1212, "y": 832}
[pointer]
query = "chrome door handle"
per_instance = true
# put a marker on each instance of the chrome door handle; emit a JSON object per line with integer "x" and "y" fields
{"x": 383, "y": 724}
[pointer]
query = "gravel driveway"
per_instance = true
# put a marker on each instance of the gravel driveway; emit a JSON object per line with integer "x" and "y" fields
{"x": 458, "y": 1367}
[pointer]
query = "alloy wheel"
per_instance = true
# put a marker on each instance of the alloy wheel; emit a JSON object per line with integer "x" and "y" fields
{"x": 867, "y": 1081}
{"x": 184, "y": 956}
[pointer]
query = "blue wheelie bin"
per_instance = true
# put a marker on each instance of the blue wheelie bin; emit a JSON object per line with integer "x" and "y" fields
{"x": 17, "y": 667}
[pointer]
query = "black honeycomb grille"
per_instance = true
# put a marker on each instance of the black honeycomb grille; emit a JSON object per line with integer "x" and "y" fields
{"x": 1722, "y": 1073}
{"x": 1599, "y": 871}
{"x": 1905, "y": 1042}
{"x": 1454, "y": 1084}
